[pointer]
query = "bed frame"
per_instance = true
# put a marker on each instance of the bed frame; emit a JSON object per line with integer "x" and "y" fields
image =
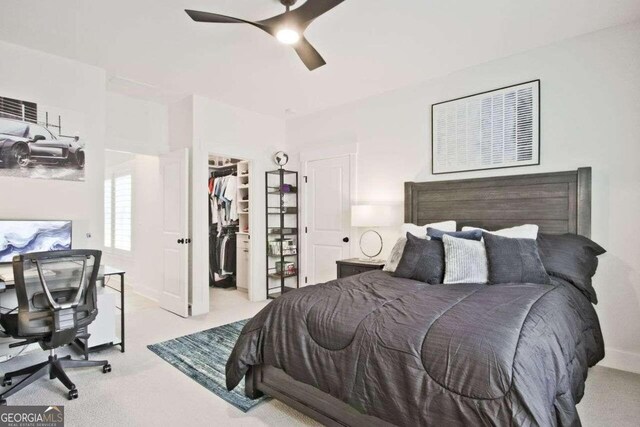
{"x": 559, "y": 202}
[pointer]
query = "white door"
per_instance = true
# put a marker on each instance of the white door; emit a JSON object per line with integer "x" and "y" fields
{"x": 174, "y": 169}
{"x": 327, "y": 207}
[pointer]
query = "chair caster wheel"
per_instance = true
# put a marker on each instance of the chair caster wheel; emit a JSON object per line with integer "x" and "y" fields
{"x": 6, "y": 382}
{"x": 73, "y": 394}
{"x": 106, "y": 368}
{"x": 3, "y": 402}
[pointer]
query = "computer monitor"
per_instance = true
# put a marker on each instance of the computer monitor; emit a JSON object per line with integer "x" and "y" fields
{"x": 21, "y": 237}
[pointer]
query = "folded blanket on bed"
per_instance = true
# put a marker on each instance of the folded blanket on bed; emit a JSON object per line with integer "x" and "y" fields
{"x": 417, "y": 354}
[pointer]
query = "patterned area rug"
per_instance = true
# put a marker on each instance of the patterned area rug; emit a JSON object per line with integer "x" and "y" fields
{"x": 203, "y": 356}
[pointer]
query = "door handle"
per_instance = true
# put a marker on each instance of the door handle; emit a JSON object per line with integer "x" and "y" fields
{"x": 187, "y": 241}
{"x": 181, "y": 241}
{"x": 346, "y": 240}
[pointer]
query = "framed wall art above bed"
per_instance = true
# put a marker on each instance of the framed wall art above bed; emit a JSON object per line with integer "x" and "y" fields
{"x": 489, "y": 130}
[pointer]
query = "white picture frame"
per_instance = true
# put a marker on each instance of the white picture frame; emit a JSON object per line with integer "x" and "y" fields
{"x": 488, "y": 130}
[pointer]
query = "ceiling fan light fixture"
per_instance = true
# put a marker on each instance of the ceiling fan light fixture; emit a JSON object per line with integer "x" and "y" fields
{"x": 288, "y": 36}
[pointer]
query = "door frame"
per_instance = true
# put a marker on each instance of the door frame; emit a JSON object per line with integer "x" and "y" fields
{"x": 200, "y": 225}
{"x": 325, "y": 153}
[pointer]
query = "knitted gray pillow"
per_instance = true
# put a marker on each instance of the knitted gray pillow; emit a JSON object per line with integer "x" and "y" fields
{"x": 465, "y": 261}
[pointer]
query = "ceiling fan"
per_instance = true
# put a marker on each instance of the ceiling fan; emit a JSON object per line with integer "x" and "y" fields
{"x": 288, "y": 27}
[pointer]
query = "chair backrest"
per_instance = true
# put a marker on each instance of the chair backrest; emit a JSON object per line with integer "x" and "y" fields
{"x": 56, "y": 293}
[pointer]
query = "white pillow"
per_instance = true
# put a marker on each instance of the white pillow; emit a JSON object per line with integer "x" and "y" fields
{"x": 465, "y": 261}
{"x": 418, "y": 231}
{"x": 526, "y": 231}
{"x": 395, "y": 256}
{"x": 421, "y": 230}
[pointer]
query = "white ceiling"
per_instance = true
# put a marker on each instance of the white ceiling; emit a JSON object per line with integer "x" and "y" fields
{"x": 151, "y": 48}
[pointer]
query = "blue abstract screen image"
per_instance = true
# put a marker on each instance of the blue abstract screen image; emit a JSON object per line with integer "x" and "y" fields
{"x": 21, "y": 237}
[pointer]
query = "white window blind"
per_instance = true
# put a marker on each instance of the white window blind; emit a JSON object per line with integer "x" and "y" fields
{"x": 118, "y": 211}
{"x": 489, "y": 130}
{"x": 122, "y": 210}
{"x": 108, "y": 224}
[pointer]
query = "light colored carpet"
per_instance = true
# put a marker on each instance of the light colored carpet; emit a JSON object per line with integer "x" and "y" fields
{"x": 144, "y": 390}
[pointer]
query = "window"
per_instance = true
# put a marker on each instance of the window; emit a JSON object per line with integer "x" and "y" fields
{"x": 40, "y": 130}
{"x": 108, "y": 201}
{"x": 117, "y": 211}
{"x": 14, "y": 128}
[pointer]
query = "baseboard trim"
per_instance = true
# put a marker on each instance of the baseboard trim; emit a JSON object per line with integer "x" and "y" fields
{"x": 147, "y": 292}
{"x": 622, "y": 360}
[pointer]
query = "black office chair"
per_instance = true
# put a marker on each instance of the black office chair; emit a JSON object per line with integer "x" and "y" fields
{"x": 56, "y": 301}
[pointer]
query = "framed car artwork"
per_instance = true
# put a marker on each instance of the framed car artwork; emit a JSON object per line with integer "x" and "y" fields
{"x": 40, "y": 142}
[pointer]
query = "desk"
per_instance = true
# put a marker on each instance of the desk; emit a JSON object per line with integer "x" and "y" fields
{"x": 104, "y": 273}
{"x": 108, "y": 272}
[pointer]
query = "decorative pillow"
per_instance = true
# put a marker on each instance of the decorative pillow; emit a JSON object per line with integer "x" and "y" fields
{"x": 418, "y": 231}
{"x": 421, "y": 230}
{"x": 526, "y": 231}
{"x": 422, "y": 260}
{"x": 514, "y": 260}
{"x": 396, "y": 254}
{"x": 571, "y": 257}
{"x": 465, "y": 261}
{"x": 436, "y": 234}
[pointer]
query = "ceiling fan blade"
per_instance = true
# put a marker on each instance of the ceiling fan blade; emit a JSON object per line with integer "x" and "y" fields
{"x": 311, "y": 9}
{"x": 302, "y": 16}
{"x": 213, "y": 17}
{"x": 222, "y": 19}
{"x": 308, "y": 54}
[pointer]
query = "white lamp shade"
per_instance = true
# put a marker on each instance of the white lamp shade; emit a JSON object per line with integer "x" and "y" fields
{"x": 373, "y": 216}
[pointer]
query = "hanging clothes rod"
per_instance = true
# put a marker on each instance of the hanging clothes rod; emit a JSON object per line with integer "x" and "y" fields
{"x": 223, "y": 167}
{"x": 217, "y": 173}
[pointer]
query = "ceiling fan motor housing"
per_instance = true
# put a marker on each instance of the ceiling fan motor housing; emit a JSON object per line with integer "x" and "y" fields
{"x": 288, "y": 3}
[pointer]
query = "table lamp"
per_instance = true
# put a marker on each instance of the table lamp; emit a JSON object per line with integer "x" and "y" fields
{"x": 372, "y": 216}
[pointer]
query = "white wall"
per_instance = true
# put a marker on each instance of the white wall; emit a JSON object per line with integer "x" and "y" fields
{"x": 71, "y": 86}
{"x": 138, "y": 132}
{"x": 590, "y": 104}
{"x": 136, "y": 126}
{"x": 205, "y": 127}
{"x": 144, "y": 273}
{"x": 181, "y": 124}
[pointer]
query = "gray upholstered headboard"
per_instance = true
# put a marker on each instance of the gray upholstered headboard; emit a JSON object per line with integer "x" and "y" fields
{"x": 559, "y": 202}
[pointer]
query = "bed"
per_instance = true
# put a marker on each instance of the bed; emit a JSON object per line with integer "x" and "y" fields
{"x": 373, "y": 349}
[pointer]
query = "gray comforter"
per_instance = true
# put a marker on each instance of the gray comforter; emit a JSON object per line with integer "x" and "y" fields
{"x": 417, "y": 354}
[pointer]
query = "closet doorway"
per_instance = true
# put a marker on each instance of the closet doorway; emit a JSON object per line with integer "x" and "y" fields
{"x": 229, "y": 224}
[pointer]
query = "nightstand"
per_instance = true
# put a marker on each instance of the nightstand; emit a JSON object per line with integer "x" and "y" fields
{"x": 353, "y": 266}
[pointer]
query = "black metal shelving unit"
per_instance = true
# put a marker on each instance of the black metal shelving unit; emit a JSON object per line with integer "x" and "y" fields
{"x": 282, "y": 243}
